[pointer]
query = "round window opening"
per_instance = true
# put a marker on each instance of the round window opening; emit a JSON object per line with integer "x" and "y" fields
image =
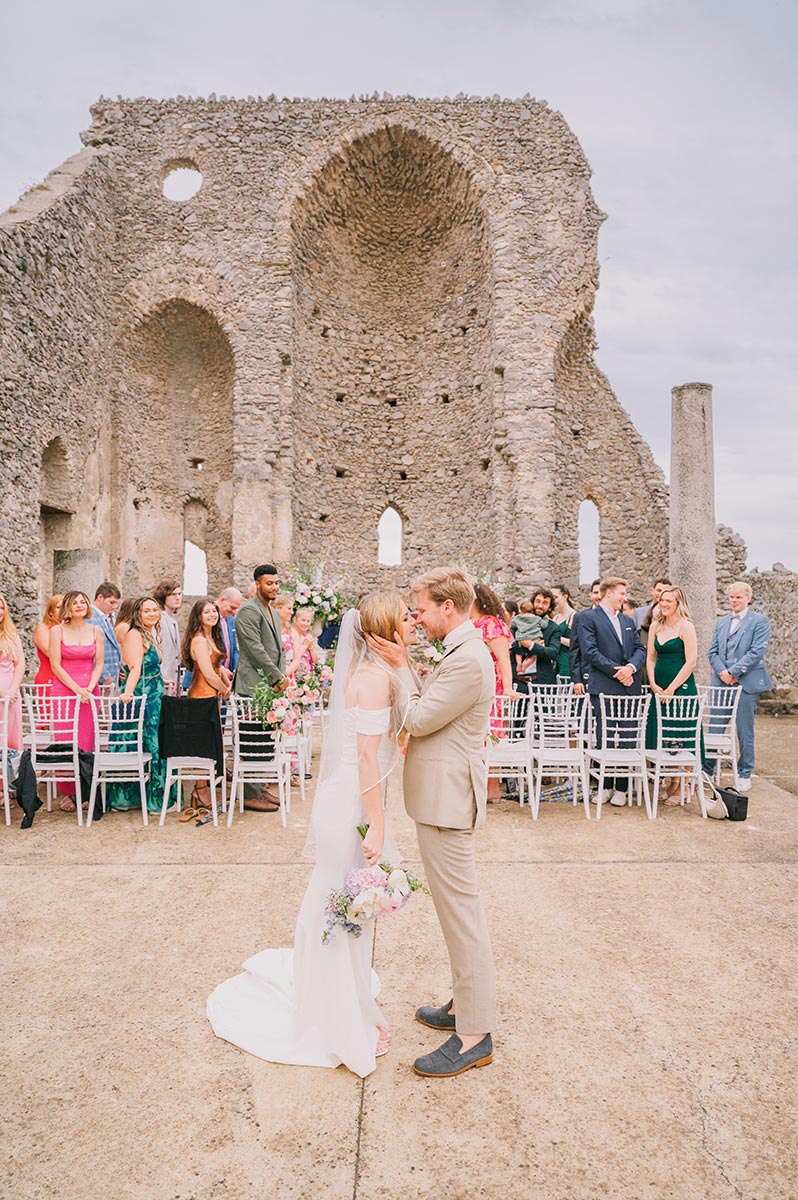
{"x": 181, "y": 181}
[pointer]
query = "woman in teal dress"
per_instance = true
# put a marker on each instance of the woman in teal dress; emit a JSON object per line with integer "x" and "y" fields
{"x": 671, "y": 659}
{"x": 564, "y": 613}
{"x": 141, "y": 676}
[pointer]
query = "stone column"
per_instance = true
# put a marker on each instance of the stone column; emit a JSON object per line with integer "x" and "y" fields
{"x": 692, "y": 509}
{"x": 77, "y": 570}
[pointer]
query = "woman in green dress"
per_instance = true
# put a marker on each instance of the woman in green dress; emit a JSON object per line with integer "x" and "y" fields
{"x": 670, "y": 662}
{"x": 564, "y": 613}
{"x": 141, "y": 676}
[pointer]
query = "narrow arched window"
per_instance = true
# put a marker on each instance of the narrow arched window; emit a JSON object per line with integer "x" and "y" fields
{"x": 589, "y": 542}
{"x": 195, "y": 570}
{"x": 389, "y": 539}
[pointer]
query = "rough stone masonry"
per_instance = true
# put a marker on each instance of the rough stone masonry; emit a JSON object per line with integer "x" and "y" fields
{"x": 367, "y": 304}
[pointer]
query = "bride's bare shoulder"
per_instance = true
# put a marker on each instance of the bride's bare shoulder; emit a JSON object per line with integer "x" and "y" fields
{"x": 371, "y": 686}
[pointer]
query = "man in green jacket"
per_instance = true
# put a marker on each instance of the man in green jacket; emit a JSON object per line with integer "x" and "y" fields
{"x": 260, "y": 655}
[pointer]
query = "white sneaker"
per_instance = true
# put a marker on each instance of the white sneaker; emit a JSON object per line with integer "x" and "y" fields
{"x": 604, "y": 794}
{"x": 744, "y": 785}
{"x": 618, "y": 799}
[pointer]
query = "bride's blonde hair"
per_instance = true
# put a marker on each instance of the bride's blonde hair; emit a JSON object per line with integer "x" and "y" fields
{"x": 381, "y": 614}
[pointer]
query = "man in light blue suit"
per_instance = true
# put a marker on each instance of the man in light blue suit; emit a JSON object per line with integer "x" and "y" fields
{"x": 106, "y": 601}
{"x": 737, "y": 654}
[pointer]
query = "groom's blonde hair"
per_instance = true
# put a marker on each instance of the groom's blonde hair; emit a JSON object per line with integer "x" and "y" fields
{"x": 447, "y": 583}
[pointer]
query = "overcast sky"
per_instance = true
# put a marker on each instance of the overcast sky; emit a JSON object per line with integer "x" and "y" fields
{"x": 686, "y": 110}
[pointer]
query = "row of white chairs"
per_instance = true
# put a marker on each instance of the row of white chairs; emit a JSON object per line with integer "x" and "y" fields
{"x": 51, "y": 733}
{"x": 552, "y": 733}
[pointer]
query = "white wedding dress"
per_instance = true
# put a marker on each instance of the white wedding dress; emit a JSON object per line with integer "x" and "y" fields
{"x": 314, "y": 1005}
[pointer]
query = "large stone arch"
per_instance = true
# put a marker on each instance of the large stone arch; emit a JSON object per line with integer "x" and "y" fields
{"x": 392, "y": 352}
{"x": 173, "y": 440}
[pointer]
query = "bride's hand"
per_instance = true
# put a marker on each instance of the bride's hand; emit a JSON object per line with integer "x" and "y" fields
{"x": 372, "y": 846}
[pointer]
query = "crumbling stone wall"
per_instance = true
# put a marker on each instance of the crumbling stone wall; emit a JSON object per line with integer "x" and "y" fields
{"x": 57, "y": 249}
{"x": 367, "y": 303}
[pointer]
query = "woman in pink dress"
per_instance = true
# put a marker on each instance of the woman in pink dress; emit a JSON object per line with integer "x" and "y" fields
{"x": 306, "y": 652}
{"x": 41, "y": 638}
{"x": 76, "y": 656}
{"x": 12, "y": 671}
{"x": 283, "y": 605}
{"x": 487, "y": 613}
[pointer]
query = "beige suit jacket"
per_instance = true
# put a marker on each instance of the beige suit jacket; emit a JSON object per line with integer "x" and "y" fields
{"x": 447, "y": 719}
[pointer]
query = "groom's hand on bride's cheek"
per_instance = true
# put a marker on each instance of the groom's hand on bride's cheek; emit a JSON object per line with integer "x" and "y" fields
{"x": 393, "y": 652}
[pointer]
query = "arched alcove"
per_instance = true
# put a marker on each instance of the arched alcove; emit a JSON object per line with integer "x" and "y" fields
{"x": 390, "y": 532}
{"x": 589, "y": 541}
{"x": 393, "y": 345}
{"x": 175, "y": 444}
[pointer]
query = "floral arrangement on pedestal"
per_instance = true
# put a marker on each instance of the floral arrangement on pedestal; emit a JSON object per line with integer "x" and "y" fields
{"x": 329, "y": 598}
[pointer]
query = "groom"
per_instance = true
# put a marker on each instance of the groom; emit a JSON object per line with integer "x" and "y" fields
{"x": 445, "y": 794}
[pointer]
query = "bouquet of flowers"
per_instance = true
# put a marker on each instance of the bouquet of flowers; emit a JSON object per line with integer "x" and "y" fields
{"x": 368, "y": 892}
{"x": 328, "y": 599}
{"x": 277, "y": 709}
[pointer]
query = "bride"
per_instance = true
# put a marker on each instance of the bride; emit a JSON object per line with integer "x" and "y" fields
{"x": 314, "y": 1005}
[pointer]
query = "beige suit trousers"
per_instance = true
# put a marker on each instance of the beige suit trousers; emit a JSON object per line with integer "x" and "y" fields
{"x": 451, "y": 872}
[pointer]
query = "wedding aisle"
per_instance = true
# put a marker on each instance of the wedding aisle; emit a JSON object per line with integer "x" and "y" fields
{"x": 647, "y": 1046}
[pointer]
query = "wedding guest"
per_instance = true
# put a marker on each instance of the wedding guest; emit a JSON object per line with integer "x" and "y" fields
{"x": 12, "y": 672}
{"x": 252, "y": 590}
{"x": 564, "y": 613}
{"x": 284, "y": 607}
{"x": 512, "y": 609}
{"x": 169, "y": 595}
{"x": 142, "y": 676}
{"x": 488, "y": 615}
{"x": 306, "y": 652}
{"x": 671, "y": 658}
{"x": 613, "y": 658}
{"x": 228, "y": 603}
{"x": 579, "y": 669}
{"x": 122, "y": 622}
{"x": 106, "y": 602}
{"x": 629, "y": 607}
{"x": 76, "y": 654}
{"x": 203, "y": 652}
{"x": 541, "y": 654}
{"x": 260, "y": 656}
{"x": 737, "y": 655}
{"x": 41, "y": 638}
{"x": 644, "y": 613}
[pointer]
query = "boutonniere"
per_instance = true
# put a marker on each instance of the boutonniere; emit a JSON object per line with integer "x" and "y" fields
{"x": 434, "y": 652}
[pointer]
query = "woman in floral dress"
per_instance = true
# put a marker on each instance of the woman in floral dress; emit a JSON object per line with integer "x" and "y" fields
{"x": 141, "y": 676}
{"x": 489, "y": 616}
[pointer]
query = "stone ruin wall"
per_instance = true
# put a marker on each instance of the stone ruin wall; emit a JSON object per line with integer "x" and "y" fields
{"x": 56, "y": 327}
{"x": 368, "y": 303}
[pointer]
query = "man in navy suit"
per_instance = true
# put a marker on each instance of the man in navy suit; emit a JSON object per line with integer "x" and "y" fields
{"x": 613, "y": 656}
{"x": 578, "y": 668}
{"x": 228, "y": 603}
{"x": 737, "y": 655}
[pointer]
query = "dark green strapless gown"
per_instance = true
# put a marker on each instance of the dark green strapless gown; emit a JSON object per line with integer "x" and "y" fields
{"x": 670, "y": 660}
{"x": 564, "y": 663}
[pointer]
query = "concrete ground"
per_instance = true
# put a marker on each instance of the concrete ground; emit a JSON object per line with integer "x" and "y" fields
{"x": 647, "y": 982}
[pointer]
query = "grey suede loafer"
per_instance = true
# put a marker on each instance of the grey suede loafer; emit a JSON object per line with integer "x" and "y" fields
{"x": 436, "y": 1018}
{"x": 447, "y": 1059}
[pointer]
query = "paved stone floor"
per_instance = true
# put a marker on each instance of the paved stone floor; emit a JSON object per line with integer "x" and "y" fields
{"x": 647, "y": 979}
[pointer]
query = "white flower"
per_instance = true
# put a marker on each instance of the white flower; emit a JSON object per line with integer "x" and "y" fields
{"x": 398, "y": 882}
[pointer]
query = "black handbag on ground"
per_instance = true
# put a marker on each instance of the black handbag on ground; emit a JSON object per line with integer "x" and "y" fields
{"x": 736, "y": 803}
